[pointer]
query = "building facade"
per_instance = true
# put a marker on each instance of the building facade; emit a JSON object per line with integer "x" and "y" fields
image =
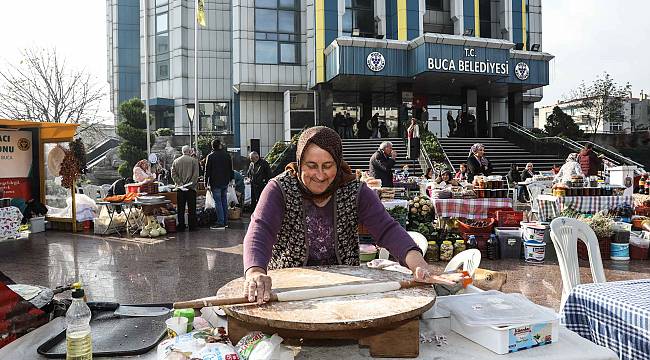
{"x": 267, "y": 68}
{"x": 635, "y": 111}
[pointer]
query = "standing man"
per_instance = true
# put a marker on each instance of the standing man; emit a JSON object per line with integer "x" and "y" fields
{"x": 185, "y": 170}
{"x": 382, "y": 162}
{"x": 338, "y": 124}
{"x": 589, "y": 162}
{"x": 218, "y": 173}
{"x": 259, "y": 172}
{"x": 349, "y": 124}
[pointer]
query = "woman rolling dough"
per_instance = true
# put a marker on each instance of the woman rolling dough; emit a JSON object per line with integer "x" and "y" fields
{"x": 308, "y": 216}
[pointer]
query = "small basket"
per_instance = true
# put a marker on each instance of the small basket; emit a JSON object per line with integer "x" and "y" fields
{"x": 234, "y": 213}
{"x": 638, "y": 253}
{"x": 149, "y": 188}
{"x": 170, "y": 224}
{"x": 468, "y": 229}
{"x": 603, "y": 243}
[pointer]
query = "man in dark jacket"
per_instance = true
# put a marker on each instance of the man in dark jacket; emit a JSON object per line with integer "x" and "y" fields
{"x": 218, "y": 173}
{"x": 589, "y": 162}
{"x": 259, "y": 172}
{"x": 382, "y": 162}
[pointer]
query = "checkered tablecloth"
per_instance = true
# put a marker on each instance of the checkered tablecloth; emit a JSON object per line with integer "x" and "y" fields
{"x": 615, "y": 315}
{"x": 469, "y": 208}
{"x": 551, "y": 206}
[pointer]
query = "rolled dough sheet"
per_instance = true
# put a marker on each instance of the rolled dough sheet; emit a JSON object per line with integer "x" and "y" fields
{"x": 338, "y": 290}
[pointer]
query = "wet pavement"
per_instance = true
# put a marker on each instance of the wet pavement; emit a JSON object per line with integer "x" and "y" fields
{"x": 190, "y": 265}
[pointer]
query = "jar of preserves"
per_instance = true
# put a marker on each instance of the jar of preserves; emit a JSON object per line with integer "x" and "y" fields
{"x": 459, "y": 246}
{"x": 432, "y": 254}
{"x": 446, "y": 250}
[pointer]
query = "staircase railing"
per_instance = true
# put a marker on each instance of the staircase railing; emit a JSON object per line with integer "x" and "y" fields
{"x": 576, "y": 146}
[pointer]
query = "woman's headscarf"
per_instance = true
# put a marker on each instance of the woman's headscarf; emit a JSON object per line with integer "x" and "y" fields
{"x": 572, "y": 157}
{"x": 474, "y": 149}
{"x": 328, "y": 140}
{"x": 142, "y": 163}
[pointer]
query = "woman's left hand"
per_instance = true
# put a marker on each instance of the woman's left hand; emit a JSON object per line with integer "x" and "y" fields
{"x": 427, "y": 275}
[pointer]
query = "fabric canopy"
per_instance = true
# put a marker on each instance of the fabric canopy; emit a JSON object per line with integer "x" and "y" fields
{"x": 50, "y": 132}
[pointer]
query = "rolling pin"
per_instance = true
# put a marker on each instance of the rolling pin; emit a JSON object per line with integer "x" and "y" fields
{"x": 307, "y": 294}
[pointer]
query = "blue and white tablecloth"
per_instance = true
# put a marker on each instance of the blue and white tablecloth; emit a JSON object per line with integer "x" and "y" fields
{"x": 613, "y": 314}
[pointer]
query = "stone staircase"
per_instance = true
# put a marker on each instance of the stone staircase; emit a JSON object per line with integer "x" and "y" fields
{"x": 357, "y": 153}
{"x": 499, "y": 151}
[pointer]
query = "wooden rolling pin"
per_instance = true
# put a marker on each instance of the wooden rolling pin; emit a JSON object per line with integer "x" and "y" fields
{"x": 305, "y": 294}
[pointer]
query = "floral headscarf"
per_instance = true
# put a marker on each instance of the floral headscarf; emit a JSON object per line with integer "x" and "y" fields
{"x": 572, "y": 157}
{"x": 474, "y": 149}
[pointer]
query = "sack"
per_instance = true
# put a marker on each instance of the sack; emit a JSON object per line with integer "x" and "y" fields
{"x": 232, "y": 195}
{"x": 209, "y": 200}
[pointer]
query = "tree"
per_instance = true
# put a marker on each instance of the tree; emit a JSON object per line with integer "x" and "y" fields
{"x": 132, "y": 129}
{"x": 560, "y": 123}
{"x": 602, "y": 101}
{"x": 43, "y": 88}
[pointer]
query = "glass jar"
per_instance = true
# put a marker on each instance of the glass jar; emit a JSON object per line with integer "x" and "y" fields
{"x": 459, "y": 246}
{"x": 432, "y": 254}
{"x": 446, "y": 251}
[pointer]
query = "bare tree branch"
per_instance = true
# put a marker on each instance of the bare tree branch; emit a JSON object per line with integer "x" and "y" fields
{"x": 41, "y": 87}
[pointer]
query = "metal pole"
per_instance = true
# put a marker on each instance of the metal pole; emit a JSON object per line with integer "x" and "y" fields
{"x": 197, "y": 113}
{"x": 146, "y": 73}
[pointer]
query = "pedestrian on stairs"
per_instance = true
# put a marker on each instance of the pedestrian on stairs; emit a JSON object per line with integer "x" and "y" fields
{"x": 477, "y": 163}
{"x": 413, "y": 132}
{"x": 382, "y": 162}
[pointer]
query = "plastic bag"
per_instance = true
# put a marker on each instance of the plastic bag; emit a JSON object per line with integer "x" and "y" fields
{"x": 209, "y": 200}
{"x": 258, "y": 346}
{"x": 232, "y": 195}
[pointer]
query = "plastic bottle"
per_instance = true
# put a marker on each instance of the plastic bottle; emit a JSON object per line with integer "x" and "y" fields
{"x": 472, "y": 243}
{"x": 493, "y": 248}
{"x": 78, "y": 336}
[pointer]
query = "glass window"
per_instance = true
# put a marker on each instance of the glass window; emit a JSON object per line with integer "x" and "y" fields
{"x": 434, "y": 5}
{"x": 359, "y": 15}
{"x": 288, "y": 53}
{"x": 287, "y": 21}
{"x": 214, "y": 117}
{"x": 161, "y": 22}
{"x": 162, "y": 70}
{"x": 271, "y": 4}
{"x": 266, "y": 20}
{"x": 162, "y": 44}
{"x": 266, "y": 52}
{"x": 277, "y": 31}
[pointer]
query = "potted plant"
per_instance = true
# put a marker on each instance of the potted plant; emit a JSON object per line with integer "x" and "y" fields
{"x": 603, "y": 227}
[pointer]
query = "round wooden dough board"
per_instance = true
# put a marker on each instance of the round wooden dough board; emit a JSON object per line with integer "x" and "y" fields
{"x": 333, "y": 313}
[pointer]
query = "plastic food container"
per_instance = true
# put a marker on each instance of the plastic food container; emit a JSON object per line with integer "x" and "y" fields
{"x": 534, "y": 251}
{"x": 509, "y": 242}
{"x": 532, "y": 231}
{"x": 37, "y": 224}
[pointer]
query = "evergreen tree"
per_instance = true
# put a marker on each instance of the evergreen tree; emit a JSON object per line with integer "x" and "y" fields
{"x": 560, "y": 123}
{"x": 132, "y": 128}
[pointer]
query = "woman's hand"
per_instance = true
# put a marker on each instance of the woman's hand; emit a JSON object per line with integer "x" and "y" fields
{"x": 426, "y": 275}
{"x": 257, "y": 287}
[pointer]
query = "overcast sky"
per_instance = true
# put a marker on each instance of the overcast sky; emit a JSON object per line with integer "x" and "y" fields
{"x": 587, "y": 37}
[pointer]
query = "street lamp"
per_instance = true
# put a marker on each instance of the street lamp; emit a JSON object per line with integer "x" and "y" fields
{"x": 190, "y": 115}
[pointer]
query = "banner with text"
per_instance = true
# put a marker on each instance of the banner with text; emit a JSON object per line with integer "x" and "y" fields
{"x": 15, "y": 163}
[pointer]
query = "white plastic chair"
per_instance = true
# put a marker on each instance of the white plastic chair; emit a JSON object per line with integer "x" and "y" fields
{"x": 565, "y": 233}
{"x": 469, "y": 259}
{"x": 419, "y": 239}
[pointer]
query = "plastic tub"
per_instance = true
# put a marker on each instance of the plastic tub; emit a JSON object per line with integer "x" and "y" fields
{"x": 620, "y": 252}
{"x": 509, "y": 242}
{"x": 534, "y": 251}
{"x": 533, "y": 231}
{"x": 37, "y": 224}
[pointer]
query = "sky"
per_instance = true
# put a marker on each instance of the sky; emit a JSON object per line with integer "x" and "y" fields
{"x": 587, "y": 37}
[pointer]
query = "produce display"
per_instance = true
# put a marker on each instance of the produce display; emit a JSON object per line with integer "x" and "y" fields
{"x": 400, "y": 214}
{"x": 153, "y": 228}
{"x": 421, "y": 215}
{"x": 122, "y": 198}
{"x": 69, "y": 169}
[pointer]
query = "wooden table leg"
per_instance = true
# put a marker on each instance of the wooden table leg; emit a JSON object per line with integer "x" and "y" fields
{"x": 399, "y": 340}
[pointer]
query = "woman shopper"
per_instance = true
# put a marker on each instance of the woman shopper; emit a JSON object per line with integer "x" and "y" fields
{"x": 413, "y": 133}
{"x": 477, "y": 163}
{"x": 570, "y": 168}
{"x": 319, "y": 195}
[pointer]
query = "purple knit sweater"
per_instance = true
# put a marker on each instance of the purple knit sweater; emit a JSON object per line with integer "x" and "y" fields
{"x": 266, "y": 222}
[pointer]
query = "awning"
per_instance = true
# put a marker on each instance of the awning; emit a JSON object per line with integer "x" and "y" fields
{"x": 50, "y": 132}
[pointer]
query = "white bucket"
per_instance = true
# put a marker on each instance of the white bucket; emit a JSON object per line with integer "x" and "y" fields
{"x": 532, "y": 231}
{"x": 534, "y": 251}
{"x": 620, "y": 251}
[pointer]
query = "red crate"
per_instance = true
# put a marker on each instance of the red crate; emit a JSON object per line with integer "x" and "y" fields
{"x": 468, "y": 229}
{"x": 509, "y": 218}
{"x": 492, "y": 212}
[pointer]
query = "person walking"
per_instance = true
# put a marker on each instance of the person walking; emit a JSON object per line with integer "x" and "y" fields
{"x": 374, "y": 125}
{"x": 471, "y": 124}
{"x": 185, "y": 170}
{"x": 451, "y": 124}
{"x": 218, "y": 174}
{"x": 413, "y": 133}
{"x": 382, "y": 162}
{"x": 424, "y": 118}
{"x": 348, "y": 122}
{"x": 589, "y": 162}
{"x": 338, "y": 124}
{"x": 259, "y": 172}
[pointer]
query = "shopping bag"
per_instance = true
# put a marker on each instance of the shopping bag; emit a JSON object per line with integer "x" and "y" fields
{"x": 209, "y": 200}
{"x": 232, "y": 195}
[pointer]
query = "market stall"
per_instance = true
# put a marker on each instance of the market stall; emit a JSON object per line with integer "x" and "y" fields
{"x": 25, "y": 146}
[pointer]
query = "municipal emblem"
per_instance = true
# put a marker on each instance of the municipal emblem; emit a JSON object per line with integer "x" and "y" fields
{"x": 375, "y": 61}
{"x": 522, "y": 71}
{"x": 23, "y": 144}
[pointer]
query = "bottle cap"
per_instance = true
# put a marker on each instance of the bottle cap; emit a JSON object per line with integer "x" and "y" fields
{"x": 460, "y": 241}
{"x": 447, "y": 242}
{"x": 78, "y": 293}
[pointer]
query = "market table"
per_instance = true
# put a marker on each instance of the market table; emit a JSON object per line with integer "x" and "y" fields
{"x": 612, "y": 314}
{"x": 468, "y": 208}
{"x": 570, "y": 346}
{"x": 551, "y": 206}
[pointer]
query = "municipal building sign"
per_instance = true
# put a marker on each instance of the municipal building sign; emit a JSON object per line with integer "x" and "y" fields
{"x": 468, "y": 64}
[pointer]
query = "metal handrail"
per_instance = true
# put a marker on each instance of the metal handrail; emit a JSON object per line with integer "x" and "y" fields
{"x": 577, "y": 146}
